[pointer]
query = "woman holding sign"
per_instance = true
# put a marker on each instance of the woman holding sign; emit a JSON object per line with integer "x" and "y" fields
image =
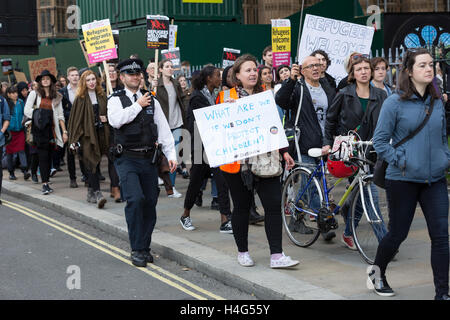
{"x": 240, "y": 182}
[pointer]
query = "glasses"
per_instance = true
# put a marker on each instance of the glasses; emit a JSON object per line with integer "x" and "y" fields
{"x": 311, "y": 66}
{"x": 360, "y": 56}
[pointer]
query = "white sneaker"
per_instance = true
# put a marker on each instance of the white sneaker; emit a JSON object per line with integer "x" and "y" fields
{"x": 283, "y": 262}
{"x": 186, "y": 223}
{"x": 160, "y": 182}
{"x": 245, "y": 260}
{"x": 175, "y": 194}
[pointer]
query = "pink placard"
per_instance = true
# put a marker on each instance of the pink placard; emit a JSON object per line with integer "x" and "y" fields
{"x": 102, "y": 56}
{"x": 280, "y": 58}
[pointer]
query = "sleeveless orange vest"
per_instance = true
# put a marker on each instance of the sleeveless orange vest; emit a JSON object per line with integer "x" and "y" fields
{"x": 234, "y": 167}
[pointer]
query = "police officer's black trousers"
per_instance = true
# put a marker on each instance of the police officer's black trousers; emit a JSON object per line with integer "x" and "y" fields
{"x": 139, "y": 187}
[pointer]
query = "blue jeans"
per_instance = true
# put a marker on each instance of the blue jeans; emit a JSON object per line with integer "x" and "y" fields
{"x": 402, "y": 198}
{"x": 314, "y": 196}
{"x": 139, "y": 188}
{"x": 177, "y": 137}
{"x": 379, "y": 229}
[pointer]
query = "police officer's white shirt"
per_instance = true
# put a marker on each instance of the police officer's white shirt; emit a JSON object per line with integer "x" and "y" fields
{"x": 119, "y": 116}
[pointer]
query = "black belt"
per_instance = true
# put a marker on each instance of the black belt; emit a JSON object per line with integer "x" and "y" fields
{"x": 144, "y": 154}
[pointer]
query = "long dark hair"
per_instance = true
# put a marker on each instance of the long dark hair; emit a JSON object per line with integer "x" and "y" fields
{"x": 52, "y": 90}
{"x": 201, "y": 79}
{"x": 406, "y": 86}
{"x": 11, "y": 104}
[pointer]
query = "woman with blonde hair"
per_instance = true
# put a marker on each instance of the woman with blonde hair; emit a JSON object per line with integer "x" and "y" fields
{"x": 89, "y": 130}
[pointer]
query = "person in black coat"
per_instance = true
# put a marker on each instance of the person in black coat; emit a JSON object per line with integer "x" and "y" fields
{"x": 203, "y": 96}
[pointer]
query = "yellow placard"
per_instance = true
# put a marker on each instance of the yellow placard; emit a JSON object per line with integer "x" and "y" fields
{"x": 281, "y": 39}
{"x": 99, "y": 39}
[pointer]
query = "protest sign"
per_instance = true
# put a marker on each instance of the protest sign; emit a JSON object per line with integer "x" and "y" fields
{"x": 174, "y": 56}
{"x": 173, "y": 30}
{"x": 157, "y": 32}
{"x": 281, "y": 42}
{"x": 37, "y": 66}
{"x": 99, "y": 39}
{"x": 7, "y": 67}
{"x": 83, "y": 49}
{"x": 234, "y": 131}
{"x": 20, "y": 76}
{"x": 116, "y": 34}
{"x": 338, "y": 38}
{"x": 230, "y": 56}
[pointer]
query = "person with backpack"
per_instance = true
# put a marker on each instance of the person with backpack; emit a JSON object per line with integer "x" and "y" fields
{"x": 17, "y": 144}
{"x": 45, "y": 110}
{"x": 5, "y": 118}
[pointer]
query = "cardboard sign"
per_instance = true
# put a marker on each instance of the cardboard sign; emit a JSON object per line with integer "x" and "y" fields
{"x": 234, "y": 131}
{"x": 83, "y": 48}
{"x": 230, "y": 56}
{"x": 7, "y": 67}
{"x": 99, "y": 39}
{"x": 174, "y": 56}
{"x": 281, "y": 42}
{"x": 337, "y": 38}
{"x": 157, "y": 32}
{"x": 37, "y": 66}
{"x": 20, "y": 76}
{"x": 173, "y": 30}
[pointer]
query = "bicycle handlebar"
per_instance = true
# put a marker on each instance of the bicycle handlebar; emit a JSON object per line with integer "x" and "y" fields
{"x": 362, "y": 143}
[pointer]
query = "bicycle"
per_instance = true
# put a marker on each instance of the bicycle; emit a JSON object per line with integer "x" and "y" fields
{"x": 307, "y": 210}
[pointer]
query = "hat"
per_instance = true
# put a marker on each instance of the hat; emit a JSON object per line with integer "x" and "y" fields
{"x": 46, "y": 73}
{"x": 22, "y": 85}
{"x": 131, "y": 66}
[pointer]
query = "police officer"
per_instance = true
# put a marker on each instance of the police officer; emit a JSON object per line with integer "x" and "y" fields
{"x": 139, "y": 126}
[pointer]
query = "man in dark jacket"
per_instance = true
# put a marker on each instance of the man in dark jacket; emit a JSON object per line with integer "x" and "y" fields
{"x": 69, "y": 94}
{"x": 315, "y": 103}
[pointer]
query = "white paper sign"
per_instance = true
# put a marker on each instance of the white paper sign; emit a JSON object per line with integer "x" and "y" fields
{"x": 173, "y": 29}
{"x": 337, "y": 38}
{"x": 240, "y": 130}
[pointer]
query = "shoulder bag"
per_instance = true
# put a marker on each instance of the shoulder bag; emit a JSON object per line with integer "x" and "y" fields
{"x": 379, "y": 174}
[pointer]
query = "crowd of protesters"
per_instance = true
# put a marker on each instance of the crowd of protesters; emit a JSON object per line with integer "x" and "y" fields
{"x": 62, "y": 118}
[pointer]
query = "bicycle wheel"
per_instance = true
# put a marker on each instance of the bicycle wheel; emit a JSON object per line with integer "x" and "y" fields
{"x": 301, "y": 227}
{"x": 369, "y": 227}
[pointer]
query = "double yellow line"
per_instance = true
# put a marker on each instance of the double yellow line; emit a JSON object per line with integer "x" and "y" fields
{"x": 158, "y": 273}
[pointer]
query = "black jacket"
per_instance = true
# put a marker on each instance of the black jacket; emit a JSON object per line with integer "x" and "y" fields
{"x": 288, "y": 98}
{"x": 66, "y": 104}
{"x": 197, "y": 101}
{"x": 346, "y": 114}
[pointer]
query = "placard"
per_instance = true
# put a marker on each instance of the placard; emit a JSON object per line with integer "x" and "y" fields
{"x": 157, "y": 32}
{"x": 20, "y": 76}
{"x": 83, "y": 49}
{"x": 174, "y": 56}
{"x": 173, "y": 30}
{"x": 37, "y": 66}
{"x": 337, "y": 38}
{"x": 7, "y": 67}
{"x": 281, "y": 42}
{"x": 230, "y": 56}
{"x": 99, "y": 39}
{"x": 235, "y": 131}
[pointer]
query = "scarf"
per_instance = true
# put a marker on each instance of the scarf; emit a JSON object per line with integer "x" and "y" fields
{"x": 208, "y": 95}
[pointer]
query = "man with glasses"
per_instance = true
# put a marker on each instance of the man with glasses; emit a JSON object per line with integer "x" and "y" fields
{"x": 313, "y": 112}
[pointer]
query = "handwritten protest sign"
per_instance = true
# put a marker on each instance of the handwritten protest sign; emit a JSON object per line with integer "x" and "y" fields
{"x": 37, "y": 66}
{"x": 174, "y": 56}
{"x": 281, "y": 42}
{"x": 230, "y": 56}
{"x": 240, "y": 130}
{"x": 99, "y": 43}
{"x": 7, "y": 67}
{"x": 338, "y": 38}
{"x": 20, "y": 76}
{"x": 157, "y": 32}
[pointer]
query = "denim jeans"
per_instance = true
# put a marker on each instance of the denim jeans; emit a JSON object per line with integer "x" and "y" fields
{"x": 22, "y": 158}
{"x": 177, "y": 137}
{"x": 402, "y": 198}
{"x": 315, "y": 199}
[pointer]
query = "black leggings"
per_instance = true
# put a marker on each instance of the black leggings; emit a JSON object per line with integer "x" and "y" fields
{"x": 197, "y": 175}
{"x": 269, "y": 191}
{"x": 45, "y": 161}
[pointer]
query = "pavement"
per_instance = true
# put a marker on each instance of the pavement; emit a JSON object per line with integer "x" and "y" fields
{"x": 327, "y": 270}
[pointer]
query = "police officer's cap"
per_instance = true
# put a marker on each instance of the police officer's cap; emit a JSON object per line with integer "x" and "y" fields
{"x": 131, "y": 66}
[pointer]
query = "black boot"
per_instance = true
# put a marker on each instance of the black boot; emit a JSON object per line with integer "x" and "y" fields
{"x": 255, "y": 217}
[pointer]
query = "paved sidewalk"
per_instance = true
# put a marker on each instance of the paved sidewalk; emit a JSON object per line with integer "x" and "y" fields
{"x": 326, "y": 270}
